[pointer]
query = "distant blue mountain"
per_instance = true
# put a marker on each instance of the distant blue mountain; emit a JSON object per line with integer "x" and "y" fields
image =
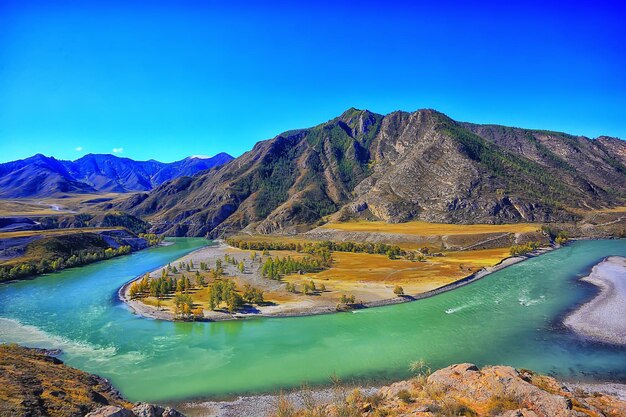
{"x": 42, "y": 176}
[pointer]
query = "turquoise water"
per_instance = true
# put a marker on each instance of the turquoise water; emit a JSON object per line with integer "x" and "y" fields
{"x": 510, "y": 317}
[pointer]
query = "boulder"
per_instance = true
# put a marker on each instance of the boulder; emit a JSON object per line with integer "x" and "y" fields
{"x": 148, "y": 410}
{"x": 170, "y": 412}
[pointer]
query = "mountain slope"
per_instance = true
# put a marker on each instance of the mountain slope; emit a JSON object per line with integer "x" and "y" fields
{"x": 41, "y": 176}
{"x": 38, "y": 176}
{"x": 398, "y": 167}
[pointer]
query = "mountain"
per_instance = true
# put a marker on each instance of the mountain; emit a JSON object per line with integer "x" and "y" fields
{"x": 42, "y": 176}
{"x": 402, "y": 166}
{"x": 38, "y": 176}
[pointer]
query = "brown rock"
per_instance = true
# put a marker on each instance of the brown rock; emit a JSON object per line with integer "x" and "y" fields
{"x": 148, "y": 410}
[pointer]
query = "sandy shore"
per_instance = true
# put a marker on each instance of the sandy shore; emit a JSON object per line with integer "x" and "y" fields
{"x": 602, "y": 318}
{"x": 294, "y": 308}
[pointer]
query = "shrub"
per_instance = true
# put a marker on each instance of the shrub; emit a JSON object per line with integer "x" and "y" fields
{"x": 451, "y": 407}
{"x": 405, "y": 396}
{"x": 283, "y": 407}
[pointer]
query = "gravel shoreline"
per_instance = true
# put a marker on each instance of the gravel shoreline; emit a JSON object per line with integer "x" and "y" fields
{"x": 262, "y": 405}
{"x": 602, "y": 318}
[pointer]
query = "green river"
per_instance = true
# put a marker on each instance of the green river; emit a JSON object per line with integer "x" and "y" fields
{"x": 510, "y": 317}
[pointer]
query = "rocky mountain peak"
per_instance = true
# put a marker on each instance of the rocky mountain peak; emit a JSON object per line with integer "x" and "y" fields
{"x": 399, "y": 167}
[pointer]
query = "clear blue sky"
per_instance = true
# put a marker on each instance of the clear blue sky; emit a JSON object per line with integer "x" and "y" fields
{"x": 167, "y": 81}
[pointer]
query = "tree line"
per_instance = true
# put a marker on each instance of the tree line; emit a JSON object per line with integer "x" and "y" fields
{"x": 45, "y": 265}
{"x": 391, "y": 251}
{"x": 313, "y": 247}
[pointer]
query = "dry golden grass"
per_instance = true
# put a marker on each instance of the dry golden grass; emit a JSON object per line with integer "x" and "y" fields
{"x": 360, "y": 268}
{"x": 431, "y": 229}
{"x": 55, "y": 232}
{"x": 24, "y": 208}
{"x": 41, "y": 207}
{"x": 273, "y": 238}
{"x": 373, "y": 276}
{"x": 620, "y": 209}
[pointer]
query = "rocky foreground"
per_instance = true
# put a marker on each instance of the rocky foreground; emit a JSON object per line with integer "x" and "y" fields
{"x": 466, "y": 390}
{"x": 34, "y": 384}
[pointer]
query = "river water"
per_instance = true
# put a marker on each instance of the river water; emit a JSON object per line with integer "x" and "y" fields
{"x": 511, "y": 317}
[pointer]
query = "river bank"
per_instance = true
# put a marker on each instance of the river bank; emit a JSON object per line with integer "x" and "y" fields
{"x": 376, "y": 296}
{"x": 601, "y": 319}
{"x": 469, "y": 390}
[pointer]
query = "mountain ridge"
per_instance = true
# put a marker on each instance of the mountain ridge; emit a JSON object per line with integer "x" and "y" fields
{"x": 42, "y": 176}
{"x": 396, "y": 167}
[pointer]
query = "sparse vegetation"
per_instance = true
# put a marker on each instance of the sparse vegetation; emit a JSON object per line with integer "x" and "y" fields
{"x": 405, "y": 396}
{"x": 430, "y": 229}
{"x": 151, "y": 238}
{"x": 520, "y": 250}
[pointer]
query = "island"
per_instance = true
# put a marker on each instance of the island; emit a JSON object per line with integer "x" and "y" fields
{"x": 336, "y": 267}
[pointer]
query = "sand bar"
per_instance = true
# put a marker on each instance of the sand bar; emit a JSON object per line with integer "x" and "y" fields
{"x": 602, "y": 318}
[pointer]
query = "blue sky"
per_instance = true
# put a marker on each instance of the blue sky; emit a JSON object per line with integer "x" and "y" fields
{"x": 153, "y": 80}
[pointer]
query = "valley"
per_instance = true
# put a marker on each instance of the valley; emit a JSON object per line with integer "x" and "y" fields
{"x": 301, "y": 209}
{"x": 426, "y": 238}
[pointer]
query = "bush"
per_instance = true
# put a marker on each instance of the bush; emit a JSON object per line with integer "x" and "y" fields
{"x": 283, "y": 408}
{"x": 405, "y": 396}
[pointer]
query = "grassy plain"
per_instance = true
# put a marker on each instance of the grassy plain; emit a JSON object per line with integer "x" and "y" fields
{"x": 57, "y": 205}
{"x": 354, "y": 271}
{"x": 55, "y": 232}
{"x": 430, "y": 229}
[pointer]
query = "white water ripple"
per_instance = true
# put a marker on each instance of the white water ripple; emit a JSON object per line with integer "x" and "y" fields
{"x": 13, "y": 331}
